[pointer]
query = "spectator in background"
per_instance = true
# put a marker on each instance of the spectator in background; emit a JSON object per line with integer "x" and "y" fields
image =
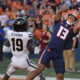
{"x": 2, "y": 34}
{"x": 74, "y": 3}
{"x": 14, "y": 12}
{"x": 41, "y": 10}
{"x": 37, "y": 11}
{"x": 1, "y": 10}
{"x": 69, "y": 54}
{"x": 18, "y": 13}
{"x": 3, "y": 18}
{"x": 53, "y": 3}
{"x": 61, "y": 3}
{"x": 51, "y": 26}
{"x": 32, "y": 11}
{"x": 49, "y": 8}
{"x": 7, "y": 12}
{"x": 31, "y": 25}
{"x": 51, "y": 19}
{"x": 78, "y": 6}
{"x": 46, "y": 17}
{"x": 36, "y": 4}
{"x": 6, "y": 28}
{"x": 37, "y": 34}
{"x": 2, "y": 5}
{"x": 16, "y": 4}
{"x": 68, "y": 3}
{"x": 10, "y": 20}
{"x": 22, "y": 11}
{"x": 45, "y": 37}
{"x": 38, "y": 22}
{"x": 8, "y": 2}
{"x": 26, "y": 14}
{"x": 44, "y": 40}
{"x": 26, "y": 2}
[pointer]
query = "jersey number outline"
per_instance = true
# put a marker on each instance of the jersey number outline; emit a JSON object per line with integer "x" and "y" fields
{"x": 17, "y": 44}
{"x": 62, "y": 33}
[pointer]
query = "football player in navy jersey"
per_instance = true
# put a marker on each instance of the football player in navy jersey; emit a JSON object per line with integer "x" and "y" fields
{"x": 62, "y": 32}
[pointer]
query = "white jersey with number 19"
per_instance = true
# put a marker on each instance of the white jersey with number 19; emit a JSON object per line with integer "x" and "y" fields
{"x": 18, "y": 42}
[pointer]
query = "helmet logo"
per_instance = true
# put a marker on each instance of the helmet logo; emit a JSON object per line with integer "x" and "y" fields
{"x": 18, "y": 22}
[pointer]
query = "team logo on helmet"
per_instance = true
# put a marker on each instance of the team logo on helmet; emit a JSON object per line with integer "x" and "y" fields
{"x": 20, "y": 24}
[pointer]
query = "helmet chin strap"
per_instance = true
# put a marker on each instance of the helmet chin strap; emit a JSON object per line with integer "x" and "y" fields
{"x": 69, "y": 23}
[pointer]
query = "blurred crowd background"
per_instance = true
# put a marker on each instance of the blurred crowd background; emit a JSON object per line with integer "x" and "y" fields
{"x": 39, "y": 15}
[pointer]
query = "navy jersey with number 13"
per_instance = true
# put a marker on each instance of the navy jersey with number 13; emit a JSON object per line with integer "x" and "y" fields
{"x": 62, "y": 32}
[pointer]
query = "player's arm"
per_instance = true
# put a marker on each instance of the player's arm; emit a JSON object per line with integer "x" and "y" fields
{"x": 30, "y": 46}
{"x": 59, "y": 13}
{"x": 6, "y": 46}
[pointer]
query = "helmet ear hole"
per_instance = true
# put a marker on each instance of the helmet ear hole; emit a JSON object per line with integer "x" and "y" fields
{"x": 20, "y": 24}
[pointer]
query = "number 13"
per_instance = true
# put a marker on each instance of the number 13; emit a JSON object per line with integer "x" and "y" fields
{"x": 62, "y": 32}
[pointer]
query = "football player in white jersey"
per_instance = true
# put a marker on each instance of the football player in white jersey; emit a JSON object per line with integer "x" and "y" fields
{"x": 20, "y": 42}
